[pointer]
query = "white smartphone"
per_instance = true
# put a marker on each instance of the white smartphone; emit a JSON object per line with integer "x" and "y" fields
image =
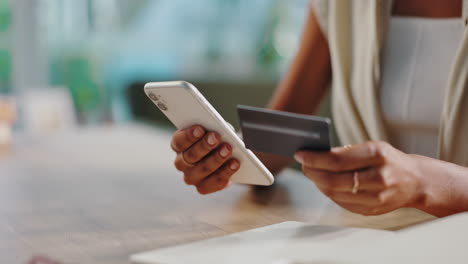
{"x": 185, "y": 106}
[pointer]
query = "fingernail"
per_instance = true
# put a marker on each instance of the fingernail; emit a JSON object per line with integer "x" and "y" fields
{"x": 197, "y": 132}
{"x": 234, "y": 165}
{"x": 298, "y": 157}
{"x": 224, "y": 152}
{"x": 212, "y": 139}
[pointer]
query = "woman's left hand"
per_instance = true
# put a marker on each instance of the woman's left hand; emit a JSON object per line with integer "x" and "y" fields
{"x": 370, "y": 179}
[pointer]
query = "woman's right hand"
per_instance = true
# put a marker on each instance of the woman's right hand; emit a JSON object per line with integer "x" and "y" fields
{"x": 205, "y": 161}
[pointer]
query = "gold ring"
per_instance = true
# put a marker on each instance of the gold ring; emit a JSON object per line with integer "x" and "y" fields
{"x": 186, "y": 162}
{"x": 356, "y": 183}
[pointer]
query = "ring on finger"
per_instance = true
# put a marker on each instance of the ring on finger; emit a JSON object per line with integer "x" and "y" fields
{"x": 185, "y": 161}
{"x": 355, "y": 188}
{"x": 174, "y": 148}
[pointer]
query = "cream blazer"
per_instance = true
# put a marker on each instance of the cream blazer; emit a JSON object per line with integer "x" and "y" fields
{"x": 356, "y": 31}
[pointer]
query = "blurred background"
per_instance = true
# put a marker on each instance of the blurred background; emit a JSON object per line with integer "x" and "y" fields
{"x": 73, "y": 63}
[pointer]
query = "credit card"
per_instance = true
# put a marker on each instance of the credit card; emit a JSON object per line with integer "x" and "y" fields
{"x": 283, "y": 133}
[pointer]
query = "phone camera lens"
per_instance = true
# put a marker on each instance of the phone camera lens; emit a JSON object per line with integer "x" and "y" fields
{"x": 153, "y": 96}
{"x": 162, "y": 106}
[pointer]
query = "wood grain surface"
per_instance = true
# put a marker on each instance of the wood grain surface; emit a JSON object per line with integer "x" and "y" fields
{"x": 97, "y": 195}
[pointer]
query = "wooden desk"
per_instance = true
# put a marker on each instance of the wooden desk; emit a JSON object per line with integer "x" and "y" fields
{"x": 98, "y": 195}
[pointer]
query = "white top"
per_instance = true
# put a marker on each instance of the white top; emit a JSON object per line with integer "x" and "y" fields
{"x": 417, "y": 60}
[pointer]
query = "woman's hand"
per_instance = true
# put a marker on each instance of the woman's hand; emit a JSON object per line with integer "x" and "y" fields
{"x": 202, "y": 157}
{"x": 382, "y": 177}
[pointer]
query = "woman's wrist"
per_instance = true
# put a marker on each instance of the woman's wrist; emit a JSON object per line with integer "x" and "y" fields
{"x": 444, "y": 187}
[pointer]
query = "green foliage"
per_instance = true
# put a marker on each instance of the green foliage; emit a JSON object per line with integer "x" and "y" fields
{"x": 84, "y": 90}
{"x": 5, "y": 15}
{"x": 5, "y": 65}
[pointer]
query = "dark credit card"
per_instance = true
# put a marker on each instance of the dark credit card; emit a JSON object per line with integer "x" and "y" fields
{"x": 283, "y": 133}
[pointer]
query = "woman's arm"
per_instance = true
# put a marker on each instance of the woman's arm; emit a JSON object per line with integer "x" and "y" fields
{"x": 446, "y": 187}
{"x": 306, "y": 83}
